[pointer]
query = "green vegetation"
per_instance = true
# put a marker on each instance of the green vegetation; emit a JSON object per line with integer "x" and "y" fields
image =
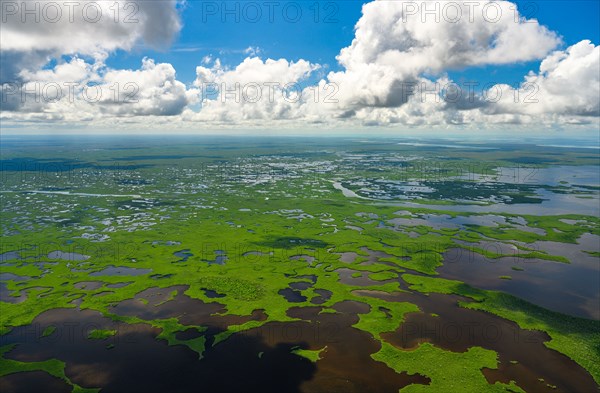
{"x": 383, "y": 276}
{"x": 312, "y": 355}
{"x": 448, "y": 371}
{"x": 48, "y": 331}
{"x": 53, "y": 367}
{"x": 99, "y": 334}
{"x": 577, "y": 338}
{"x": 232, "y": 228}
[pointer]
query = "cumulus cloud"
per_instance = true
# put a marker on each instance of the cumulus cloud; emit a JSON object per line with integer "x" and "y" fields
{"x": 80, "y": 91}
{"x": 397, "y": 53}
{"x": 39, "y": 90}
{"x": 568, "y": 83}
{"x": 255, "y": 70}
{"x": 151, "y": 90}
{"x": 416, "y": 37}
{"x": 254, "y": 89}
{"x": 35, "y": 32}
{"x": 397, "y": 42}
{"x": 565, "y": 91}
{"x": 86, "y": 27}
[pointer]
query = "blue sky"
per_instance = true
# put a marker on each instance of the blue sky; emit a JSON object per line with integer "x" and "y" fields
{"x": 206, "y": 34}
{"x": 319, "y": 42}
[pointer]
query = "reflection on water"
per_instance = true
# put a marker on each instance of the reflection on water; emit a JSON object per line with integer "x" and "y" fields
{"x": 260, "y": 359}
{"x": 292, "y": 296}
{"x": 33, "y": 381}
{"x": 456, "y": 329}
{"x": 10, "y": 255}
{"x": 88, "y": 285}
{"x": 568, "y": 288}
{"x": 183, "y": 254}
{"x": 6, "y": 295}
{"x": 121, "y": 271}
{"x": 67, "y": 256}
{"x": 323, "y": 296}
{"x": 553, "y": 203}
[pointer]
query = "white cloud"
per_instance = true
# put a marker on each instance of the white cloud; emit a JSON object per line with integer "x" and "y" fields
{"x": 35, "y": 32}
{"x": 77, "y": 91}
{"x": 255, "y": 70}
{"x": 151, "y": 90}
{"x": 86, "y": 27}
{"x": 397, "y": 42}
{"x": 568, "y": 83}
{"x": 253, "y": 90}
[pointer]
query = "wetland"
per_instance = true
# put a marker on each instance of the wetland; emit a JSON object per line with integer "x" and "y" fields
{"x": 298, "y": 265}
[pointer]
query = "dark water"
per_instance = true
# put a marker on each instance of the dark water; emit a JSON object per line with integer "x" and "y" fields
{"x": 457, "y": 329}
{"x": 139, "y": 363}
{"x": 362, "y": 281}
{"x": 301, "y": 285}
{"x": 33, "y": 381}
{"x": 212, "y": 294}
{"x": 324, "y": 295}
{"x": 183, "y": 254}
{"x": 89, "y": 285}
{"x": 189, "y": 311}
{"x": 67, "y": 256}
{"x": 256, "y": 360}
{"x": 292, "y": 296}
{"x": 5, "y": 295}
{"x": 121, "y": 271}
{"x": 572, "y": 289}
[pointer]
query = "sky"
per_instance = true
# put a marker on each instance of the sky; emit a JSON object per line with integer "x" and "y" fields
{"x": 285, "y": 66}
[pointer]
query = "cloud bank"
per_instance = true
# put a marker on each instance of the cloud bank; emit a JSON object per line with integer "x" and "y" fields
{"x": 395, "y": 72}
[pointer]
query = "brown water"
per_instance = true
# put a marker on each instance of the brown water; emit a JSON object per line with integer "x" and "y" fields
{"x": 33, "y": 381}
{"x": 457, "y": 329}
{"x": 572, "y": 289}
{"x": 89, "y": 285}
{"x": 372, "y": 257}
{"x": 362, "y": 281}
{"x": 121, "y": 271}
{"x": 189, "y": 311}
{"x": 6, "y": 295}
{"x": 256, "y": 360}
{"x": 261, "y": 358}
{"x": 346, "y": 364}
{"x": 323, "y": 296}
{"x": 292, "y": 296}
{"x": 140, "y": 363}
